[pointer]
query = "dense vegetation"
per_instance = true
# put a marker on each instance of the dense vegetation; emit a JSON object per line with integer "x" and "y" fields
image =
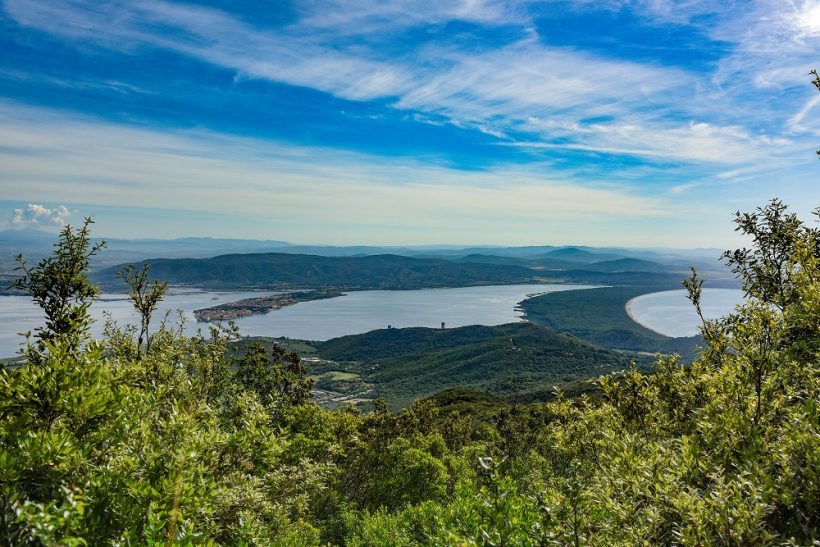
{"x": 517, "y": 361}
{"x": 189, "y": 443}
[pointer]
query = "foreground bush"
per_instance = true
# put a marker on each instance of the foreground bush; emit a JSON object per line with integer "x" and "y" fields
{"x": 104, "y": 443}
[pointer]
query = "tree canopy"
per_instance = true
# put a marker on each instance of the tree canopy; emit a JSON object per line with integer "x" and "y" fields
{"x": 197, "y": 443}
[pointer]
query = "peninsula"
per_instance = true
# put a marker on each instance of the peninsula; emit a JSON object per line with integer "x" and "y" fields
{"x": 261, "y": 305}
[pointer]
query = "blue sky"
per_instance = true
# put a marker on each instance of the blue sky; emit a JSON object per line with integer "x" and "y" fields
{"x": 634, "y": 123}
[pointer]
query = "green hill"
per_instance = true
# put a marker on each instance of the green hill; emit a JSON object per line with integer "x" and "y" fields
{"x": 495, "y": 259}
{"x": 516, "y": 360}
{"x": 591, "y": 266}
{"x": 657, "y": 280}
{"x": 285, "y": 270}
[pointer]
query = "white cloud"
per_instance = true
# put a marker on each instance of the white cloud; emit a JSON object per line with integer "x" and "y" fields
{"x": 528, "y": 79}
{"x": 239, "y": 187}
{"x": 775, "y": 45}
{"x": 695, "y": 142}
{"x": 218, "y": 38}
{"x": 795, "y": 122}
{"x": 682, "y": 188}
{"x": 367, "y": 16}
{"x": 35, "y": 215}
{"x": 317, "y": 194}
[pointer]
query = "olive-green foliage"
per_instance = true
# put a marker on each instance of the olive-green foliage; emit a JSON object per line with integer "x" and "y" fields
{"x": 145, "y": 295}
{"x": 766, "y": 269}
{"x": 278, "y": 379}
{"x": 194, "y": 444}
{"x": 59, "y": 284}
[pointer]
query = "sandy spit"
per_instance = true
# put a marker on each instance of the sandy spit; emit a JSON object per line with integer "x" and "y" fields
{"x": 635, "y": 319}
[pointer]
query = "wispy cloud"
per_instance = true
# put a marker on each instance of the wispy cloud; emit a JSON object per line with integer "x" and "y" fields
{"x": 697, "y": 141}
{"x": 495, "y": 90}
{"x": 309, "y": 193}
{"x": 367, "y": 16}
{"x": 775, "y": 43}
{"x": 218, "y": 38}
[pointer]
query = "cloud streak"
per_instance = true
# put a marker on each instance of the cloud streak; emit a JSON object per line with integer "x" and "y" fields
{"x": 315, "y": 194}
{"x": 497, "y": 90}
{"x": 554, "y": 139}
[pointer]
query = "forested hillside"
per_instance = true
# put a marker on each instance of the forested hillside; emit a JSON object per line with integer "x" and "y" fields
{"x": 179, "y": 441}
{"x": 387, "y": 271}
{"x": 284, "y": 270}
{"x": 600, "y": 317}
{"x": 518, "y": 361}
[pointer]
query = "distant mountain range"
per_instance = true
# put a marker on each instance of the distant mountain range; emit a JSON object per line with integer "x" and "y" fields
{"x": 603, "y": 263}
{"x": 212, "y": 262}
{"x": 282, "y": 271}
{"x": 29, "y": 240}
{"x": 574, "y": 254}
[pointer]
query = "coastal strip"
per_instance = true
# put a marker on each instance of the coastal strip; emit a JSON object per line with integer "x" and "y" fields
{"x": 635, "y": 319}
{"x": 261, "y": 305}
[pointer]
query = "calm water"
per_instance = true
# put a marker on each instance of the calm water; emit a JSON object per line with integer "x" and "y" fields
{"x": 353, "y": 313}
{"x": 670, "y": 313}
{"x": 20, "y": 314}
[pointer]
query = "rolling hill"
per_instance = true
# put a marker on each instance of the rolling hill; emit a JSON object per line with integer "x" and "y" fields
{"x": 516, "y": 360}
{"x": 286, "y": 270}
{"x": 622, "y": 265}
{"x": 600, "y": 264}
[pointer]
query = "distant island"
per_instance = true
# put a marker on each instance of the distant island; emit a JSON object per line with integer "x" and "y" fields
{"x": 257, "y": 306}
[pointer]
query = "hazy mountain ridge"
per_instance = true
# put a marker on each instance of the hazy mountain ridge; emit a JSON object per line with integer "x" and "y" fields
{"x": 30, "y": 241}
{"x": 290, "y": 270}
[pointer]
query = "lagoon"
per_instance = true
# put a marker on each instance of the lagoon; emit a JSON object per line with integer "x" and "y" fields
{"x": 670, "y": 312}
{"x": 353, "y": 313}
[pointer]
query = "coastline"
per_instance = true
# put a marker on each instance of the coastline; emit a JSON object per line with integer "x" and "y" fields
{"x": 260, "y": 306}
{"x": 631, "y": 315}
